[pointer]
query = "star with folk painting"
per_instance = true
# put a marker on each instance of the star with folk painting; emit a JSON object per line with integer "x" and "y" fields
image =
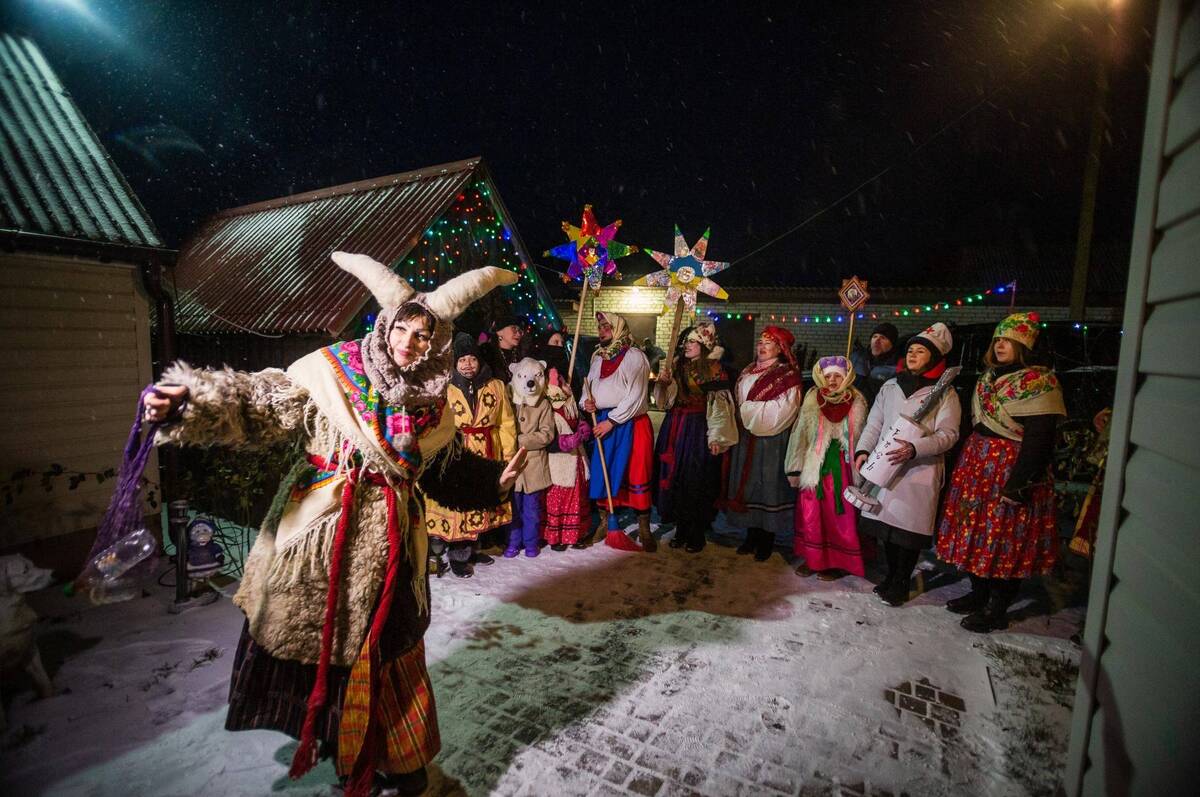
{"x": 685, "y": 273}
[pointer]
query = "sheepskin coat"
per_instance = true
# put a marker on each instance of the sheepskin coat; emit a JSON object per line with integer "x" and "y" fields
{"x": 286, "y": 575}
{"x": 812, "y": 432}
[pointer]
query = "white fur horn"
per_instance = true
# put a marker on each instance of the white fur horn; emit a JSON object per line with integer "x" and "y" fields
{"x": 388, "y": 287}
{"x": 453, "y": 297}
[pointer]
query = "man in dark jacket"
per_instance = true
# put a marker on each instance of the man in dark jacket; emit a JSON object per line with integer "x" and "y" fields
{"x": 876, "y": 364}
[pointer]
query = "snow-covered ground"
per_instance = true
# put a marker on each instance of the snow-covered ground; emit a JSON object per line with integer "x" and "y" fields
{"x": 592, "y": 672}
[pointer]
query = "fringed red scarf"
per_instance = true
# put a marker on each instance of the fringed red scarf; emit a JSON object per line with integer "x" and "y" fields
{"x": 773, "y": 381}
{"x": 835, "y": 412}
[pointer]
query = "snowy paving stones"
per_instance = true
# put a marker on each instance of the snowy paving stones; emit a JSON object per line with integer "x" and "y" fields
{"x": 588, "y": 673}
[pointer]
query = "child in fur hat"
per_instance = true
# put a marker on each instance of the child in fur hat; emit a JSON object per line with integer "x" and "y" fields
{"x": 484, "y": 417}
{"x": 819, "y": 465}
{"x": 904, "y": 521}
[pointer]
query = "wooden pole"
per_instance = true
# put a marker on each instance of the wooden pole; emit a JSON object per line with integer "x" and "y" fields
{"x": 670, "y": 358}
{"x": 575, "y": 342}
{"x": 603, "y": 463}
{"x": 850, "y": 335}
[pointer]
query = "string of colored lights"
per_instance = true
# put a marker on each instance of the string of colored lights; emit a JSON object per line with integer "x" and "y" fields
{"x": 472, "y": 234}
{"x": 971, "y": 299}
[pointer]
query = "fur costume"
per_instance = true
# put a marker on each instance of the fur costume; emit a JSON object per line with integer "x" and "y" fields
{"x": 337, "y": 575}
{"x": 535, "y": 433}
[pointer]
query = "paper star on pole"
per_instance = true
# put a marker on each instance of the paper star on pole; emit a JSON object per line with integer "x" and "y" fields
{"x": 685, "y": 273}
{"x": 591, "y": 250}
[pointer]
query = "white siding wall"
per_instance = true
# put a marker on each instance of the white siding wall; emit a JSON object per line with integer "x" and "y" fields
{"x": 1137, "y": 708}
{"x": 76, "y": 353}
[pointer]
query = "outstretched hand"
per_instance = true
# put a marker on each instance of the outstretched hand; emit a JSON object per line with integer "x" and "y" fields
{"x": 163, "y": 401}
{"x": 511, "y": 471}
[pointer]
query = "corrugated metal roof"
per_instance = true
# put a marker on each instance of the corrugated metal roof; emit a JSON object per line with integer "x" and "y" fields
{"x": 55, "y": 177}
{"x": 265, "y": 267}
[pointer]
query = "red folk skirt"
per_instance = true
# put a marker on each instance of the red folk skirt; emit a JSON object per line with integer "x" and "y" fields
{"x": 984, "y": 536}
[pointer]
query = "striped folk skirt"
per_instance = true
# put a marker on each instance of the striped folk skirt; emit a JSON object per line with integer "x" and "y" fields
{"x": 270, "y": 693}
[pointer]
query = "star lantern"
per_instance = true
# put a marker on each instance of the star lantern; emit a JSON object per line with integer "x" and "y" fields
{"x": 591, "y": 250}
{"x": 685, "y": 273}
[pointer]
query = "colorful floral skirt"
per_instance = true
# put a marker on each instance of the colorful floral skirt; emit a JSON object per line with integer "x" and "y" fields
{"x": 984, "y": 536}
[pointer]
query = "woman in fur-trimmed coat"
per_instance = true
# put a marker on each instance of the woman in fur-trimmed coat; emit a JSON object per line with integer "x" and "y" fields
{"x": 819, "y": 464}
{"x": 335, "y": 591}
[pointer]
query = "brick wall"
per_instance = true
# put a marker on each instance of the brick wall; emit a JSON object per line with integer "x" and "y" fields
{"x": 822, "y": 337}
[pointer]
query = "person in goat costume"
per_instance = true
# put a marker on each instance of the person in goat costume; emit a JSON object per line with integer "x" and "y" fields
{"x": 535, "y": 433}
{"x": 335, "y": 590}
{"x": 819, "y": 464}
{"x": 568, "y": 509}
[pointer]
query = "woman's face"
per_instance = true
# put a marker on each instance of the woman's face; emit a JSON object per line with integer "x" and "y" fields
{"x": 917, "y": 358}
{"x": 555, "y": 339}
{"x": 409, "y": 340}
{"x": 1003, "y": 351}
{"x": 834, "y": 380}
{"x": 767, "y": 349}
{"x": 510, "y": 336}
{"x": 691, "y": 349}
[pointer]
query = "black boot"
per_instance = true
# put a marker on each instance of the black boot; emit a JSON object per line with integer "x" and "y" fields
{"x": 890, "y": 551}
{"x": 974, "y": 600}
{"x": 897, "y": 594}
{"x": 409, "y": 784}
{"x": 765, "y": 547}
{"x": 994, "y": 616}
{"x": 696, "y": 539}
{"x": 750, "y": 544}
{"x": 680, "y": 537}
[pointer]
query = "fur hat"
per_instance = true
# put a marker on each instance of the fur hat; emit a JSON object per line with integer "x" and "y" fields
{"x": 465, "y": 345}
{"x": 1021, "y": 327}
{"x": 936, "y": 338}
{"x": 888, "y": 330}
{"x": 507, "y": 321}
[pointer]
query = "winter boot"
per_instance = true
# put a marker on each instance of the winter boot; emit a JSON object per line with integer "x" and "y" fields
{"x": 750, "y": 544}
{"x": 890, "y": 552}
{"x": 696, "y": 539}
{"x": 994, "y": 616}
{"x": 514, "y": 543}
{"x": 480, "y": 558}
{"x": 974, "y": 600}
{"x": 645, "y": 536}
{"x": 408, "y": 784}
{"x": 765, "y": 546}
{"x": 558, "y": 546}
{"x": 680, "y": 537}
{"x": 898, "y": 590}
{"x": 462, "y": 568}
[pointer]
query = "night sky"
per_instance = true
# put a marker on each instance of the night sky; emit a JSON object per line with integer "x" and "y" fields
{"x": 746, "y": 117}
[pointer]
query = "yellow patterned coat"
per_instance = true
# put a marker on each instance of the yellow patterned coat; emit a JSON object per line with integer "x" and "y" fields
{"x": 489, "y": 432}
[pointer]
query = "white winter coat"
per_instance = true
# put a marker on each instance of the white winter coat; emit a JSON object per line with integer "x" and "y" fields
{"x": 911, "y": 501}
